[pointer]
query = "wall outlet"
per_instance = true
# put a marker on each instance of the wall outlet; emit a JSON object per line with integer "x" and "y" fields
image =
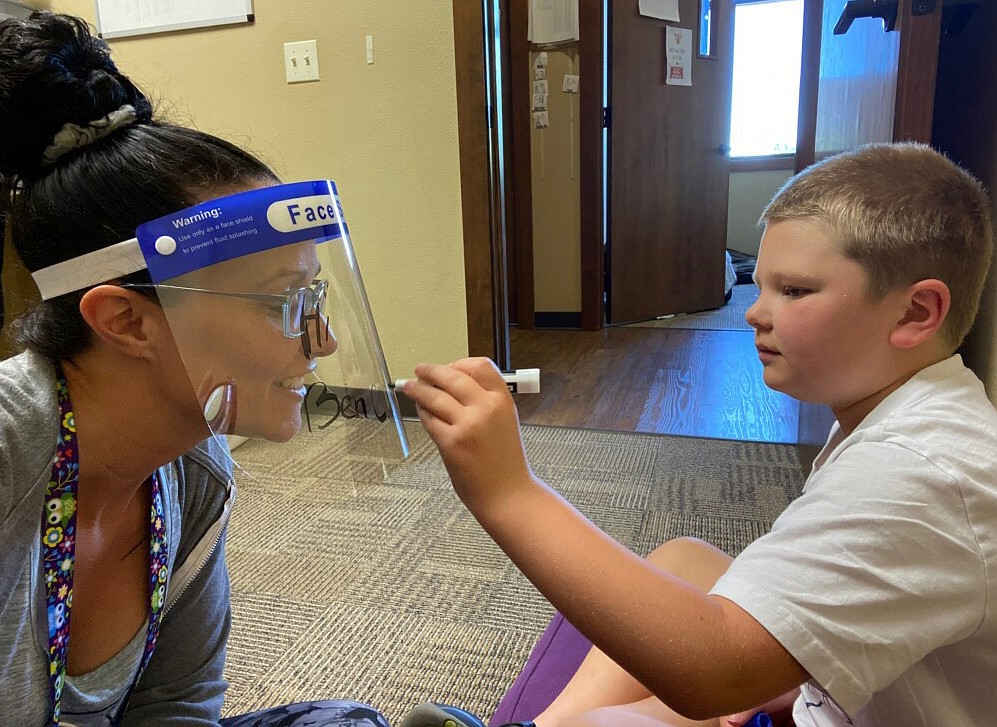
{"x": 301, "y": 61}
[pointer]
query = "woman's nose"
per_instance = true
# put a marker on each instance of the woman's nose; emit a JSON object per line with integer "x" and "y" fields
{"x": 318, "y": 338}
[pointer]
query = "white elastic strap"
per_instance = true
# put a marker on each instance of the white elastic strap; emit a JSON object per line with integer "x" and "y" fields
{"x": 95, "y": 267}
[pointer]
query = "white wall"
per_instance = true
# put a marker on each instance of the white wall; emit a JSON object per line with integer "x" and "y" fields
{"x": 749, "y": 192}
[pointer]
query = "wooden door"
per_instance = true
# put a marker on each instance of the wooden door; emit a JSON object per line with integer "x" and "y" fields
{"x": 668, "y": 166}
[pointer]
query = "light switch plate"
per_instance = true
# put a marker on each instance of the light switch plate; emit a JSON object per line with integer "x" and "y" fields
{"x": 301, "y": 61}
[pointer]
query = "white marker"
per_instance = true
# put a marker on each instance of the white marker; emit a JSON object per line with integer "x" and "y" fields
{"x": 520, "y": 381}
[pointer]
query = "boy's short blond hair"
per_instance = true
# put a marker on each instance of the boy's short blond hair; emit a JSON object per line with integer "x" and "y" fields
{"x": 905, "y": 213}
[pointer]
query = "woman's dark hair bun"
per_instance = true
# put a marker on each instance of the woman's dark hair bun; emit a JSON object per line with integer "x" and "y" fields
{"x": 54, "y": 71}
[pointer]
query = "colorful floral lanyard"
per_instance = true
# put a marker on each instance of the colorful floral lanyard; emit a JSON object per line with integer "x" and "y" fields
{"x": 59, "y": 550}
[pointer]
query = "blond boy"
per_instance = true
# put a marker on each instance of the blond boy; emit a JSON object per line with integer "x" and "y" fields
{"x": 871, "y": 601}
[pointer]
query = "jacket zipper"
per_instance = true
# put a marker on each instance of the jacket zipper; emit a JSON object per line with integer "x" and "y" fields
{"x": 202, "y": 551}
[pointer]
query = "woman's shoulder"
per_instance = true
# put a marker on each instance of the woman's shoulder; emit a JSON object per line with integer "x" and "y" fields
{"x": 27, "y": 375}
{"x": 28, "y": 433}
{"x": 28, "y": 425}
{"x": 204, "y": 481}
{"x": 211, "y": 458}
{"x": 204, "y": 494}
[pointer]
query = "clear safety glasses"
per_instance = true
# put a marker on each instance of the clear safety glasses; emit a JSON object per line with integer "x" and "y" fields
{"x": 296, "y": 307}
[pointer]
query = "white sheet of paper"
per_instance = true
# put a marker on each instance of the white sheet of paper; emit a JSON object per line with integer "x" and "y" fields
{"x": 661, "y": 9}
{"x": 678, "y": 56}
{"x": 540, "y": 86}
{"x": 118, "y": 18}
{"x": 570, "y": 83}
{"x": 553, "y": 21}
{"x": 539, "y": 102}
{"x": 540, "y": 119}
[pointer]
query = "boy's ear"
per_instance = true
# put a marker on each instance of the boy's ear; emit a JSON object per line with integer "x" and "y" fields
{"x": 123, "y": 319}
{"x": 927, "y": 304}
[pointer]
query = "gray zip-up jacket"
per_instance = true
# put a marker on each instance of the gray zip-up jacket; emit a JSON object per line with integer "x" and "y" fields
{"x": 183, "y": 682}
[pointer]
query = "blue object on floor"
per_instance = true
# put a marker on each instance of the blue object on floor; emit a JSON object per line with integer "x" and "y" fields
{"x": 759, "y": 720}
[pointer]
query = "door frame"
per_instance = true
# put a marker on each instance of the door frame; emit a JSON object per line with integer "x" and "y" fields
{"x": 593, "y": 175}
{"x": 473, "y": 133}
{"x": 472, "y": 139}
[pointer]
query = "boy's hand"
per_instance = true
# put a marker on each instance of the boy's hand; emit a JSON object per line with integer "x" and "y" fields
{"x": 468, "y": 411}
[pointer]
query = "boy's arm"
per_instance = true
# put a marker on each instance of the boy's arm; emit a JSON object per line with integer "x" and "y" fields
{"x": 702, "y": 655}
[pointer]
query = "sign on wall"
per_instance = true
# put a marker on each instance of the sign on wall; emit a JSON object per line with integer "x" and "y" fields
{"x": 117, "y": 18}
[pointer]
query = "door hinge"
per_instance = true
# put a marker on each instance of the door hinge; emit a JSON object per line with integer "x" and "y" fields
{"x": 605, "y": 117}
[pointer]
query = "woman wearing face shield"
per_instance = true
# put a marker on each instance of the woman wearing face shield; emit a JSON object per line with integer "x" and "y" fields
{"x": 114, "y": 594}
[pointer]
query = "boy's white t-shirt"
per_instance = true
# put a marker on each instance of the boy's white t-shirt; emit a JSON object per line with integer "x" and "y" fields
{"x": 880, "y": 578}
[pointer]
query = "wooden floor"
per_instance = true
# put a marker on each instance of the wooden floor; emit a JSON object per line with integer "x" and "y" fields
{"x": 665, "y": 381}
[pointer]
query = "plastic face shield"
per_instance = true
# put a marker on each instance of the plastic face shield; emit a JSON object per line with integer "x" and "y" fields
{"x": 265, "y": 301}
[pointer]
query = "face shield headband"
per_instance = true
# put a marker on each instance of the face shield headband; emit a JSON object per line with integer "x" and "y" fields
{"x": 265, "y": 302}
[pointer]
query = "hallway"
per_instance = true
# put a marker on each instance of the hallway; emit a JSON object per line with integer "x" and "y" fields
{"x": 685, "y": 382}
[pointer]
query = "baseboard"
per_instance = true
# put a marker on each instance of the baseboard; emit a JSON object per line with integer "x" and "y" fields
{"x": 557, "y": 319}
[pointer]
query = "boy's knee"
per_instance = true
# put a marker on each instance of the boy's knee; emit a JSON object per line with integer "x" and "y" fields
{"x": 691, "y": 559}
{"x": 679, "y": 549}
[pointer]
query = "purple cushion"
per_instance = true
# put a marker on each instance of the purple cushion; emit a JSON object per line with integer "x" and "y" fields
{"x": 552, "y": 663}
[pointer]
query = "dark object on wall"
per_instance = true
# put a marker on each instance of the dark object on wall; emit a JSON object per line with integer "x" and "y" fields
{"x": 885, "y": 9}
{"x": 955, "y": 15}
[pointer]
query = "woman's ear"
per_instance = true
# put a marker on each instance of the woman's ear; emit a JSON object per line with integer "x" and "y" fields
{"x": 927, "y": 305}
{"x": 124, "y": 319}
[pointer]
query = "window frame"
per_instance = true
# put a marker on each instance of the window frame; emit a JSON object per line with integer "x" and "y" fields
{"x": 763, "y": 162}
{"x": 775, "y": 161}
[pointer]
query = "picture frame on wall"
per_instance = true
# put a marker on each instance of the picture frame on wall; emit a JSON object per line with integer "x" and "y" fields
{"x": 121, "y": 18}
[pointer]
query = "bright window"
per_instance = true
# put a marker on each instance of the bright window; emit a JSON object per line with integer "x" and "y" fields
{"x": 767, "y": 39}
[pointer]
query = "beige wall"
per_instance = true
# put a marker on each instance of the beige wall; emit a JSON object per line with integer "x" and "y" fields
{"x": 557, "y": 266}
{"x": 19, "y": 293}
{"x": 386, "y": 133}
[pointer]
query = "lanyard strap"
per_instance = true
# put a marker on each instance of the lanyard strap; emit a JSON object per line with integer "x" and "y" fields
{"x": 59, "y": 551}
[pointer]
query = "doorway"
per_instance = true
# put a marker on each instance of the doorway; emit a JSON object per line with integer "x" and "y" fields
{"x": 671, "y": 149}
{"x": 618, "y": 171}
